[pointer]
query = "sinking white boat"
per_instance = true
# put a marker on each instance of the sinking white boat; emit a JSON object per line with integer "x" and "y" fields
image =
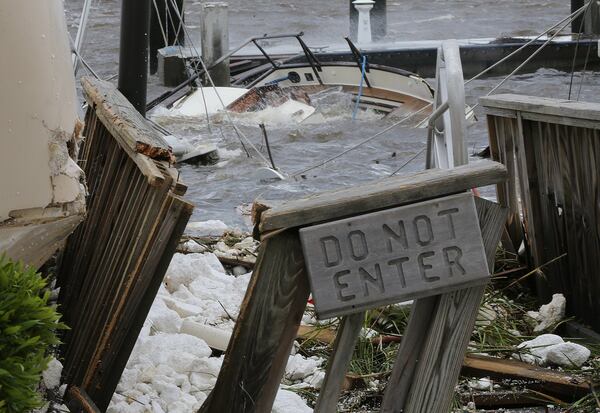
{"x": 288, "y": 87}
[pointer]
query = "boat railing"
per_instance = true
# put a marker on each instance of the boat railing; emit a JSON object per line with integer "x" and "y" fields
{"x": 311, "y": 58}
{"x": 447, "y": 125}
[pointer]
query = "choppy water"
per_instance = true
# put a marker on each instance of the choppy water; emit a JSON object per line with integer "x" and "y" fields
{"x": 218, "y": 191}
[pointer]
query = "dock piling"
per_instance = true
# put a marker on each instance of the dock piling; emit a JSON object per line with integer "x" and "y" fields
{"x": 165, "y": 18}
{"x": 378, "y": 17}
{"x": 133, "y": 55}
{"x": 214, "y": 32}
{"x": 592, "y": 18}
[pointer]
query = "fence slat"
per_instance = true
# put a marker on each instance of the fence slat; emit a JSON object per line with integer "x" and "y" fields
{"x": 115, "y": 261}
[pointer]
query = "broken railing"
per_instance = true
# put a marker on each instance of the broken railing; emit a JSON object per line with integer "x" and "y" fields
{"x": 115, "y": 261}
{"x": 551, "y": 149}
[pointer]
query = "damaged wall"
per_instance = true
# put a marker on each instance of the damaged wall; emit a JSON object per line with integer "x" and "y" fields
{"x": 38, "y": 111}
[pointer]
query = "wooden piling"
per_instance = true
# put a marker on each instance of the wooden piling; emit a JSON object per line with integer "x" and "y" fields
{"x": 214, "y": 32}
{"x": 133, "y": 54}
{"x": 577, "y": 24}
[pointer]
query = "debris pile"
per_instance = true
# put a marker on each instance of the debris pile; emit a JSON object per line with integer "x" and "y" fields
{"x": 172, "y": 367}
{"x": 179, "y": 352}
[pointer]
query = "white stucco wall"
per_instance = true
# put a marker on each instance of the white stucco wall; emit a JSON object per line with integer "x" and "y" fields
{"x": 37, "y": 108}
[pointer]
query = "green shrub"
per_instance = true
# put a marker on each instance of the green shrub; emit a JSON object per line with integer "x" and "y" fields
{"x": 27, "y": 330}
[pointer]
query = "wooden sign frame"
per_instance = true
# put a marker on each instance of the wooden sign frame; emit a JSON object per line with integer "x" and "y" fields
{"x": 432, "y": 350}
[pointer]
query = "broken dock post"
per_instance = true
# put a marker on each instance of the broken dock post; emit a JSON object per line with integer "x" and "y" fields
{"x": 551, "y": 149}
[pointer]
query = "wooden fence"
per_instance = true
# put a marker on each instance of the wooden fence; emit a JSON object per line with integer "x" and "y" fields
{"x": 551, "y": 149}
{"x": 115, "y": 261}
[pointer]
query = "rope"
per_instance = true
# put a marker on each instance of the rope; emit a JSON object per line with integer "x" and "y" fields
{"x": 276, "y": 81}
{"x": 360, "y": 87}
{"x": 165, "y": 34}
{"x": 409, "y": 161}
{"x": 238, "y": 132}
{"x": 82, "y": 60}
{"x": 585, "y": 63}
{"x": 81, "y": 31}
{"x": 159, "y": 18}
{"x": 534, "y": 54}
{"x": 577, "y": 48}
{"x": 369, "y": 139}
{"x": 569, "y": 17}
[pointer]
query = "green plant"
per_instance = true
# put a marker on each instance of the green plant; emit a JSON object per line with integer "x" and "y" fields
{"x": 27, "y": 330}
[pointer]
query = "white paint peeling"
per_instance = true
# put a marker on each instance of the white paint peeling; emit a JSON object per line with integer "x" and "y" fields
{"x": 39, "y": 115}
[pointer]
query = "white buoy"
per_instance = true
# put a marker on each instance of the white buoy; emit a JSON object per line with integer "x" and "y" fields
{"x": 364, "y": 20}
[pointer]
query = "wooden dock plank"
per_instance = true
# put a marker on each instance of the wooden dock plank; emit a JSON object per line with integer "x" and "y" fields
{"x": 552, "y": 382}
{"x": 546, "y": 106}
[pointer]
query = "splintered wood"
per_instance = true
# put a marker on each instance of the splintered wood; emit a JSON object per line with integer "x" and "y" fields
{"x": 394, "y": 255}
{"x": 114, "y": 263}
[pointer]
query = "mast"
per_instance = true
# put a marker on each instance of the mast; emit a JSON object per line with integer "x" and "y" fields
{"x": 133, "y": 59}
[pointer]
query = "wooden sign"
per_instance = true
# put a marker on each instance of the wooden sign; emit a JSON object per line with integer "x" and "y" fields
{"x": 394, "y": 255}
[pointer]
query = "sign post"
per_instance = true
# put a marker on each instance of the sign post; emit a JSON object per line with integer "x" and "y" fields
{"x": 420, "y": 235}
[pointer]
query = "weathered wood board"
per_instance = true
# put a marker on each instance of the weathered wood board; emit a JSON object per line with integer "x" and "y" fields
{"x": 385, "y": 193}
{"x": 394, "y": 255}
{"x": 551, "y": 148}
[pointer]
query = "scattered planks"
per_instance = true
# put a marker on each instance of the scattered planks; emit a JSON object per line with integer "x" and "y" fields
{"x": 540, "y": 380}
{"x": 115, "y": 261}
{"x": 552, "y": 382}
